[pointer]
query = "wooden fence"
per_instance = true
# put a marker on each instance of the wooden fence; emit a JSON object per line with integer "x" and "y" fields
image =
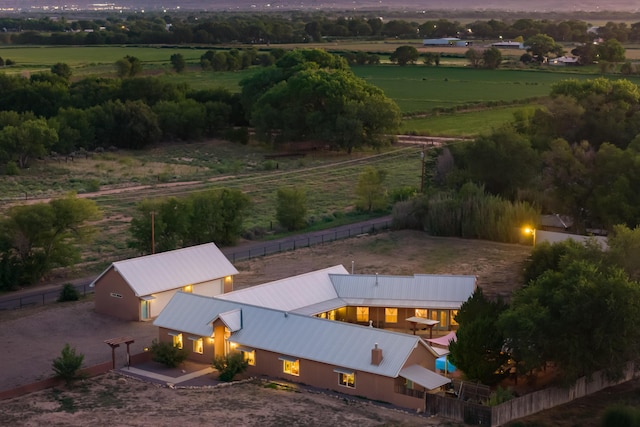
{"x": 472, "y": 413}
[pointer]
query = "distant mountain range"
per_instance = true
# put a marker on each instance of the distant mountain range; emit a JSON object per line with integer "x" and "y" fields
{"x": 275, "y": 5}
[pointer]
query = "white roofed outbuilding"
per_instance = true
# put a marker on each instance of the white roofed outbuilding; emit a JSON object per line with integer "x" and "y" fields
{"x": 139, "y": 288}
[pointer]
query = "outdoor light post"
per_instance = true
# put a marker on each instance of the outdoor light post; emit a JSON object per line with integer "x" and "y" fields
{"x": 532, "y": 231}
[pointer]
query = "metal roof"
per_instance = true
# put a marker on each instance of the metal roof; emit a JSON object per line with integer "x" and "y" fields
{"x": 339, "y": 344}
{"x": 434, "y": 291}
{"x": 291, "y": 293}
{"x": 426, "y": 378}
{"x": 173, "y": 269}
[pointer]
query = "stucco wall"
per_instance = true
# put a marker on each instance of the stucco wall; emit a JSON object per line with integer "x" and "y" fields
{"x": 111, "y": 283}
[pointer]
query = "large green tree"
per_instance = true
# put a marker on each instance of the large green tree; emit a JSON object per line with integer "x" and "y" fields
{"x": 28, "y": 140}
{"x": 370, "y": 191}
{"x": 404, "y": 55}
{"x": 478, "y": 351}
{"x": 43, "y": 236}
{"x": 581, "y": 317}
{"x": 540, "y": 45}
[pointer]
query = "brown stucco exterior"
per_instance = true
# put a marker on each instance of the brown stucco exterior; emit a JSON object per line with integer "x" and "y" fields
{"x": 114, "y": 297}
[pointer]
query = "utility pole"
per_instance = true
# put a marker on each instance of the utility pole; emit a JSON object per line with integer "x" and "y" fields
{"x": 422, "y": 154}
{"x": 153, "y": 233}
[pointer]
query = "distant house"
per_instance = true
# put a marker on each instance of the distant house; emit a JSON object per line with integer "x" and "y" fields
{"x": 564, "y": 61}
{"x": 508, "y": 45}
{"x": 138, "y": 289}
{"x": 358, "y": 360}
{"x": 447, "y": 41}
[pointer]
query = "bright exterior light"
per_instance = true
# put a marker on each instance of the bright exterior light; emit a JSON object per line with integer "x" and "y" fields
{"x": 532, "y": 231}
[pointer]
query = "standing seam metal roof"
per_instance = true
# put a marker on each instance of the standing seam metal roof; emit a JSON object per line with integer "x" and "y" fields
{"x": 335, "y": 343}
{"x": 171, "y": 270}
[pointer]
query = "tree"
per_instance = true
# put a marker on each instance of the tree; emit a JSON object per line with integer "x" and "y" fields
{"x": 178, "y": 62}
{"x": 129, "y": 66}
{"x": 503, "y": 161}
{"x": 474, "y": 57}
{"x": 478, "y": 351}
{"x": 491, "y": 58}
{"x": 564, "y": 317}
{"x": 62, "y": 69}
{"x": 46, "y": 235}
{"x": 229, "y": 366}
{"x": 68, "y": 365}
{"x": 586, "y": 53}
{"x": 624, "y": 249}
{"x": 611, "y": 51}
{"x": 404, "y": 55}
{"x": 370, "y": 192}
{"x": 29, "y": 139}
{"x": 216, "y": 216}
{"x": 541, "y": 45}
{"x": 329, "y": 105}
{"x": 291, "y": 208}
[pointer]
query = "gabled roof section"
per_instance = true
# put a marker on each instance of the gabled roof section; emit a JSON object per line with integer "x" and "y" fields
{"x": 340, "y": 344}
{"x": 434, "y": 291}
{"x": 231, "y": 319}
{"x": 291, "y": 293}
{"x": 173, "y": 269}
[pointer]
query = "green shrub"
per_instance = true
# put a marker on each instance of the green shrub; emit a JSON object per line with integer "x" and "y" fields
{"x": 499, "y": 396}
{"x": 167, "y": 354}
{"x": 68, "y": 293}
{"x": 229, "y": 366}
{"x": 67, "y": 366}
{"x": 621, "y": 416}
{"x": 92, "y": 186}
{"x": 12, "y": 169}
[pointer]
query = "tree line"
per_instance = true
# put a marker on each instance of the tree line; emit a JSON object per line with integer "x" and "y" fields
{"x": 577, "y": 154}
{"x": 293, "y": 28}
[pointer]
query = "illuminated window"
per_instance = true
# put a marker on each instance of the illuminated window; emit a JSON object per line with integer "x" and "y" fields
{"x": 421, "y": 312}
{"x": 177, "y": 341}
{"x": 331, "y": 315}
{"x": 198, "y": 346}
{"x": 454, "y": 313}
{"x": 391, "y": 315}
{"x": 188, "y": 288}
{"x": 322, "y": 315}
{"x": 291, "y": 367}
{"x": 249, "y": 357}
{"x": 362, "y": 314}
{"x": 347, "y": 379}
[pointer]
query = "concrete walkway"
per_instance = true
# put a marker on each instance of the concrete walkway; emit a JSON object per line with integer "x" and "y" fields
{"x": 165, "y": 378}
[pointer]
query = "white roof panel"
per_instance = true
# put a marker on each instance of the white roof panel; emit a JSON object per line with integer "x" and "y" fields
{"x": 291, "y": 293}
{"x": 426, "y": 378}
{"x": 434, "y": 291}
{"x": 173, "y": 269}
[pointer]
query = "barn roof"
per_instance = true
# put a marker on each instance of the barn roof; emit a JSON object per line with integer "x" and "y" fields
{"x": 165, "y": 271}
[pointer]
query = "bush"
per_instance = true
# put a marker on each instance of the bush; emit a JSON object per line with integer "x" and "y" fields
{"x": 68, "y": 293}
{"x": 229, "y": 366}
{"x": 67, "y": 366}
{"x": 621, "y": 416}
{"x": 167, "y": 354}
{"x": 12, "y": 169}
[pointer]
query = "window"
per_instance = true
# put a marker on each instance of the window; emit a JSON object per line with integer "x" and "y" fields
{"x": 421, "y": 312}
{"x": 249, "y": 357}
{"x": 177, "y": 341}
{"x": 188, "y": 288}
{"x": 198, "y": 346}
{"x": 391, "y": 315}
{"x": 347, "y": 379}
{"x": 291, "y": 367}
{"x": 362, "y": 314}
{"x": 331, "y": 315}
{"x": 454, "y": 313}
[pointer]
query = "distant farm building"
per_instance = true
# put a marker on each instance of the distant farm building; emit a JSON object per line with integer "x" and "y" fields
{"x": 508, "y": 45}
{"x": 447, "y": 41}
{"x": 564, "y": 61}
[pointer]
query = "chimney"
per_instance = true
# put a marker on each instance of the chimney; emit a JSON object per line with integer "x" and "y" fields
{"x": 376, "y": 355}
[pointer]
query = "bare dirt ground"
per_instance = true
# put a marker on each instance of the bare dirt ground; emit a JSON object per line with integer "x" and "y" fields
{"x": 34, "y": 337}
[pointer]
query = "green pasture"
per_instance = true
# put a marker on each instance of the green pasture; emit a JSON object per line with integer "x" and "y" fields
{"x": 461, "y": 123}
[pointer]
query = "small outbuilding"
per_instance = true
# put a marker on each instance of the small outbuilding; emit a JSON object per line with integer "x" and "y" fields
{"x": 138, "y": 289}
